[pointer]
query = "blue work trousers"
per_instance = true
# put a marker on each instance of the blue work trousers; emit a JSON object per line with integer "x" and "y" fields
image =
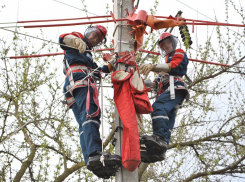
{"x": 90, "y": 140}
{"x": 164, "y": 113}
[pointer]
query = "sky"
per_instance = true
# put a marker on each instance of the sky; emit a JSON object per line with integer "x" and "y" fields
{"x": 21, "y": 10}
{"x": 56, "y": 9}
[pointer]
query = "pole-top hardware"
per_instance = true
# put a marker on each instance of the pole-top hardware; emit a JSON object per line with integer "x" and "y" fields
{"x": 118, "y": 127}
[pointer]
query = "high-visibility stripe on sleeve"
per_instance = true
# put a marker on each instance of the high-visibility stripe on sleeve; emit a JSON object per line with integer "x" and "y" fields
{"x": 177, "y": 58}
{"x": 180, "y": 53}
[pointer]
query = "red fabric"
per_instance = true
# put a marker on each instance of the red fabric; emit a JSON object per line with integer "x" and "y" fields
{"x": 95, "y": 97}
{"x": 125, "y": 107}
{"x": 128, "y": 100}
{"x": 141, "y": 100}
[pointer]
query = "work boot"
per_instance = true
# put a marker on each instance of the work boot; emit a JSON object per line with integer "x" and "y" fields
{"x": 112, "y": 164}
{"x": 152, "y": 156}
{"x": 154, "y": 142}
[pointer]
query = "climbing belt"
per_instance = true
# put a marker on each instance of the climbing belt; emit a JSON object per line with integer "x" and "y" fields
{"x": 82, "y": 83}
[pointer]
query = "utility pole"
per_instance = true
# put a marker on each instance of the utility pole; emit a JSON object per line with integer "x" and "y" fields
{"x": 122, "y": 43}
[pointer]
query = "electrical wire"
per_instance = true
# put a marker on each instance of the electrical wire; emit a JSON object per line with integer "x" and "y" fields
{"x": 195, "y": 10}
{"x": 75, "y": 7}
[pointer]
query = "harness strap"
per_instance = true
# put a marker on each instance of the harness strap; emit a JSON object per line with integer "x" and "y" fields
{"x": 70, "y": 77}
{"x": 79, "y": 83}
{"x": 85, "y": 83}
{"x": 181, "y": 87}
{"x": 70, "y": 101}
{"x": 171, "y": 83}
{"x": 76, "y": 68}
{"x": 95, "y": 97}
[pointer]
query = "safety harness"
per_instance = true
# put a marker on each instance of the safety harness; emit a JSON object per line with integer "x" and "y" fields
{"x": 91, "y": 81}
{"x": 164, "y": 79}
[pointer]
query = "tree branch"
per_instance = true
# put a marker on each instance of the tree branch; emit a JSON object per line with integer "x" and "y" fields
{"x": 25, "y": 164}
{"x": 221, "y": 171}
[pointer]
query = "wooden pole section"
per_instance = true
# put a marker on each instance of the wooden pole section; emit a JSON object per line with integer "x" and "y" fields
{"x": 122, "y": 43}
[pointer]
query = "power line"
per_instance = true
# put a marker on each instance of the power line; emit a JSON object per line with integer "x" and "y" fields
{"x": 195, "y": 10}
{"x": 30, "y": 36}
{"x": 75, "y": 7}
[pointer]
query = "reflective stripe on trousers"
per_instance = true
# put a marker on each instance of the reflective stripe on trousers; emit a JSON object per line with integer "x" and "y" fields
{"x": 88, "y": 128}
{"x": 163, "y": 115}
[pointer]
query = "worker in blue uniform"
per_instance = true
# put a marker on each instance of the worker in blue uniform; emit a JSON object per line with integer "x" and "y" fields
{"x": 171, "y": 92}
{"x": 82, "y": 95}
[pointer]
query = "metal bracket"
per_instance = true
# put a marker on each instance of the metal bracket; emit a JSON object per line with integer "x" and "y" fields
{"x": 113, "y": 142}
{"x": 118, "y": 127}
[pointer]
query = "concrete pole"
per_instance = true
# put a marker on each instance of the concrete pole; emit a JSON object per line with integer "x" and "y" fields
{"x": 122, "y": 43}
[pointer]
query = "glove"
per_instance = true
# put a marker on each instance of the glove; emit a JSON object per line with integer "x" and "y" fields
{"x": 75, "y": 42}
{"x": 79, "y": 44}
{"x": 149, "y": 83}
{"x": 97, "y": 74}
{"x": 145, "y": 69}
{"x": 110, "y": 65}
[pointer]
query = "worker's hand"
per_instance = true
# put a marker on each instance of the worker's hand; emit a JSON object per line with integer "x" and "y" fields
{"x": 79, "y": 44}
{"x": 148, "y": 83}
{"x": 111, "y": 64}
{"x": 73, "y": 41}
{"x": 145, "y": 69}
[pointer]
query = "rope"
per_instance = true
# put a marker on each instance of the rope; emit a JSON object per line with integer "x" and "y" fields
{"x": 102, "y": 158}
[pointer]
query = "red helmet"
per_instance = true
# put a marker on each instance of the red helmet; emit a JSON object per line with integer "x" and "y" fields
{"x": 102, "y": 30}
{"x": 167, "y": 43}
{"x": 95, "y": 35}
{"x": 163, "y": 36}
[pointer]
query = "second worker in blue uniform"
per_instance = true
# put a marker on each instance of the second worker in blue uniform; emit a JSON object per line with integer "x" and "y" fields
{"x": 171, "y": 91}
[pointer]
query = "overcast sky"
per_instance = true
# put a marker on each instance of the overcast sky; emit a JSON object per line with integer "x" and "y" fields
{"x": 54, "y": 9}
